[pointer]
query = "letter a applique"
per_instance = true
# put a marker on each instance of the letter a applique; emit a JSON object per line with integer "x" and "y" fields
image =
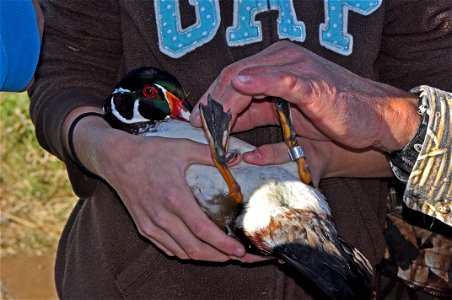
{"x": 247, "y": 30}
{"x": 333, "y": 33}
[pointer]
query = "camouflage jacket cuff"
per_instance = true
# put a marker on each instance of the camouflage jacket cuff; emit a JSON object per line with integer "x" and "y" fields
{"x": 429, "y": 187}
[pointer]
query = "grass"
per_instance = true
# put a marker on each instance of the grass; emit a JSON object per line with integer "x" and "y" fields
{"x": 35, "y": 194}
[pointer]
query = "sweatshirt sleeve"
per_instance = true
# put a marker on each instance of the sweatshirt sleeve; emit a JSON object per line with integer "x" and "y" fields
{"x": 416, "y": 45}
{"x": 81, "y": 53}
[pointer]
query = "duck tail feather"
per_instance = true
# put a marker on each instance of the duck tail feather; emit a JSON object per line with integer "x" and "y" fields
{"x": 334, "y": 277}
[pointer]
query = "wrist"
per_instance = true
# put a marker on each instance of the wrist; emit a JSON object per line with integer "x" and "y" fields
{"x": 80, "y": 136}
{"x": 113, "y": 147}
{"x": 345, "y": 162}
{"x": 400, "y": 123}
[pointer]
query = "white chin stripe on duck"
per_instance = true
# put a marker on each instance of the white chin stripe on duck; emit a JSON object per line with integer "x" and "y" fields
{"x": 137, "y": 117}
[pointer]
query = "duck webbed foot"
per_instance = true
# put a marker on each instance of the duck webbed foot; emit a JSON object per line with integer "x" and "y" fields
{"x": 296, "y": 151}
{"x": 217, "y": 125}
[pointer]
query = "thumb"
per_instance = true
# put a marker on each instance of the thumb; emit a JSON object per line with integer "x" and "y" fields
{"x": 269, "y": 154}
{"x": 195, "y": 116}
{"x": 199, "y": 153}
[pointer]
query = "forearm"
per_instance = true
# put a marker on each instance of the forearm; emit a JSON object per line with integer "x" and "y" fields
{"x": 92, "y": 139}
{"x": 66, "y": 78}
{"x": 368, "y": 164}
{"x": 400, "y": 119}
{"x": 328, "y": 159}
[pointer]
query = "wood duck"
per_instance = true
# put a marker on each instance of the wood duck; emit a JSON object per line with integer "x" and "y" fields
{"x": 267, "y": 208}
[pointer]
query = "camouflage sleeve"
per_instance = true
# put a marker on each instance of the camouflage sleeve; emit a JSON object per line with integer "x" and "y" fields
{"x": 429, "y": 188}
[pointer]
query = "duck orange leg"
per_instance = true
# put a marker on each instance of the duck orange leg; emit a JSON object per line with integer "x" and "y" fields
{"x": 295, "y": 151}
{"x": 216, "y": 124}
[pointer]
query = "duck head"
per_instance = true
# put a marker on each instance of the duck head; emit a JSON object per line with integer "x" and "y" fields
{"x": 145, "y": 96}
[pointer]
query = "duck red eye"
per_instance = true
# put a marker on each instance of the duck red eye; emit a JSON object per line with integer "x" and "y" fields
{"x": 150, "y": 91}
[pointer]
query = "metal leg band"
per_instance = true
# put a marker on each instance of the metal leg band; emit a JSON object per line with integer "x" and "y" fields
{"x": 296, "y": 153}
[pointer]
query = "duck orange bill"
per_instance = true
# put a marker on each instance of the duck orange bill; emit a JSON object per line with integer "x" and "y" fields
{"x": 178, "y": 111}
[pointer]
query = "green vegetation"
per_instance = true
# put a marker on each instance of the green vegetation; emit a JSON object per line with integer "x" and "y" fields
{"x": 35, "y": 194}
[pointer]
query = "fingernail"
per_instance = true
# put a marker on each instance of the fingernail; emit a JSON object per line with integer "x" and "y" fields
{"x": 239, "y": 252}
{"x": 232, "y": 158}
{"x": 254, "y": 154}
{"x": 244, "y": 78}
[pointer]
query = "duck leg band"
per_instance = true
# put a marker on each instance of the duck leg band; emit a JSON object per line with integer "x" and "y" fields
{"x": 296, "y": 152}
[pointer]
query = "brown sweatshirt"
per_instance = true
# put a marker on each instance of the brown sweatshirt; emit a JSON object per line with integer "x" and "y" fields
{"x": 89, "y": 45}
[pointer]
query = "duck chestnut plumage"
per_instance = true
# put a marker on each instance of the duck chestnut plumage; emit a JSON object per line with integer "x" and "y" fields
{"x": 267, "y": 207}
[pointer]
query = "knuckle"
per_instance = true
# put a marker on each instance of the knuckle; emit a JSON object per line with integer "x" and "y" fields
{"x": 199, "y": 228}
{"x": 272, "y": 153}
{"x": 226, "y": 246}
{"x": 160, "y": 220}
{"x": 168, "y": 253}
{"x": 183, "y": 256}
{"x": 194, "y": 252}
{"x": 267, "y": 153}
{"x": 228, "y": 72}
{"x": 290, "y": 82}
{"x": 284, "y": 44}
{"x": 173, "y": 199}
{"x": 147, "y": 229}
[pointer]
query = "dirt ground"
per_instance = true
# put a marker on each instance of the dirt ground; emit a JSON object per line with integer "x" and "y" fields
{"x": 27, "y": 277}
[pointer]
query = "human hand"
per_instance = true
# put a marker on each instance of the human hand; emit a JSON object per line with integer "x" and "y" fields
{"x": 164, "y": 210}
{"x": 148, "y": 175}
{"x": 329, "y": 103}
{"x": 326, "y": 159}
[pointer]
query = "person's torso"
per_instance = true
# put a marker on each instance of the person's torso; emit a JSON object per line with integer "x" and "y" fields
{"x": 195, "y": 40}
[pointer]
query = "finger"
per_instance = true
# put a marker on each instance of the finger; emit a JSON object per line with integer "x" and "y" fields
{"x": 200, "y": 227}
{"x": 248, "y": 112}
{"x": 234, "y": 102}
{"x": 219, "y": 89}
{"x": 240, "y": 102}
{"x": 199, "y": 153}
{"x": 234, "y": 158}
{"x": 195, "y": 116}
{"x": 197, "y": 235}
{"x": 269, "y": 154}
{"x": 151, "y": 231}
{"x": 252, "y": 258}
{"x": 271, "y": 82}
{"x": 204, "y": 229}
{"x": 260, "y": 112}
{"x": 194, "y": 247}
{"x": 196, "y": 153}
{"x": 174, "y": 235}
{"x": 161, "y": 247}
{"x": 215, "y": 91}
